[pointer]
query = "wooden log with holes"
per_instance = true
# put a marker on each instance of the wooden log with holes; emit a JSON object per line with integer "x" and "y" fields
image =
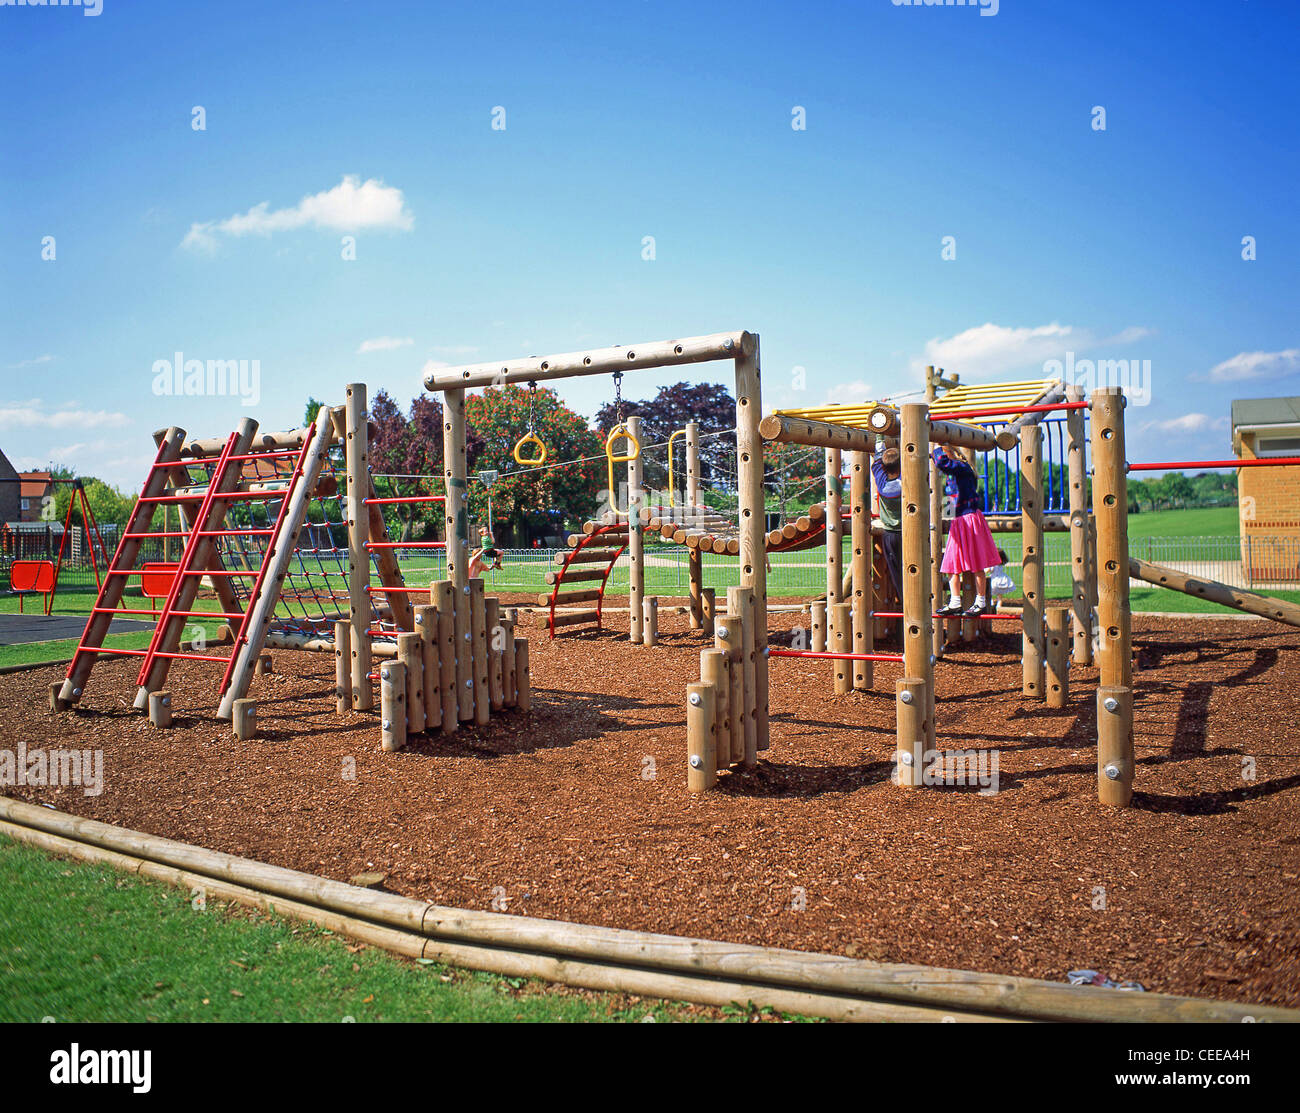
{"x": 508, "y": 691}
{"x": 709, "y": 610}
{"x": 694, "y": 558}
{"x": 918, "y": 662}
{"x": 1057, "y": 677}
{"x": 937, "y": 584}
{"x": 701, "y": 737}
{"x": 753, "y": 555}
{"x": 636, "y": 542}
{"x": 243, "y": 719}
{"x": 729, "y": 638}
{"x": 523, "y": 681}
{"x": 160, "y": 708}
{"x": 455, "y": 472}
{"x": 492, "y": 618}
{"x": 650, "y": 621}
{"x": 426, "y": 625}
{"x": 910, "y": 710}
{"x": 443, "y": 594}
{"x": 1115, "y": 664}
{"x": 356, "y": 447}
{"x": 834, "y": 528}
{"x": 1032, "y": 578}
{"x": 342, "y": 667}
{"x": 863, "y": 586}
{"x": 479, "y": 647}
{"x": 740, "y": 605}
{"x": 842, "y": 642}
{"x": 817, "y": 616}
{"x": 714, "y": 672}
{"x": 392, "y": 705}
{"x": 410, "y": 655}
{"x": 1081, "y": 601}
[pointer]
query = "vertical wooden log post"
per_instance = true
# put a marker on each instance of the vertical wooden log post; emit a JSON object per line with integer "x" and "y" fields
{"x": 834, "y": 528}
{"x": 818, "y": 618}
{"x": 864, "y": 634}
{"x": 1032, "y": 579}
{"x": 495, "y": 645}
{"x": 635, "y": 542}
{"x": 410, "y": 655}
{"x": 730, "y": 638}
{"x": 740, "y": 618}
{"x": 842, "y": 642}
{"x": 443, "y": 594}
{"x": 479, "y": 645}
{"x": 910, "y": 709}
{"x": 694, "y": 557}
{"x": 1058, "y": 658}
{"x": 1110, "y": 512}
{"x": 701, "y": 738}
{"x": 1078, "y": 479}
{"x": 392, "y": 705}
{"x": 714, "y": 671}
{"x": 356, "y": 450}
{"x": 708, "y": 601}
{"x": 426, "y": 626}
{"x": 342, "y": 667}
{"x": 650, "y": 621}
{"x": 509, "y": 690}
{"x": 918, "y": 635}
{"x": 753, "y": 520}
{"x": 523, "y": 680}
{"x": 243, "y": 718}
{"x": 456, "y": 524}
{"x": 160, "y": 708}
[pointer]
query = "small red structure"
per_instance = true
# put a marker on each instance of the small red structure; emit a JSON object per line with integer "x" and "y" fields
{"x": 31, "y": 576}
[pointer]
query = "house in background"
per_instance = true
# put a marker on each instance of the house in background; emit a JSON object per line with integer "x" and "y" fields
{"x": 10, "y": 483}
{"x": 36, "y": 485}
{"x": 1268, "y": 498}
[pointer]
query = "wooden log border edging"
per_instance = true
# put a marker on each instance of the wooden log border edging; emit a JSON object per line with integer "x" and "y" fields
{"x": 609, "y": 959}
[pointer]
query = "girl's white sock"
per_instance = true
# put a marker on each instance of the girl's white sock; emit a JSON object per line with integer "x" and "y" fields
{"x": 979, "y": 600}
{"x": 954, "y": 600}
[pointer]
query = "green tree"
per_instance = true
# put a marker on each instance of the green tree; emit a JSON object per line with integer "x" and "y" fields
{"x": 313, "y": 408}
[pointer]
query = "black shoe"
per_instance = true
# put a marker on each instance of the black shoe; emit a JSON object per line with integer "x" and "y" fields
{"x": 952, "y": 610}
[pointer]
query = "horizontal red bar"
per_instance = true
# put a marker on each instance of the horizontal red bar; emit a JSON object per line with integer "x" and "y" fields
{"x": 114, "y": 652}
{"x": 193, "y": 657}
{"x": 406, "y": 544}
{"x": 282, "y": 455}
{"x": 835, "y": 656}
{"x": 119, "y": 610}
{"x": 1006, "y": 411}
{"x": 397, "y": 590}
{"x": 1178, "y": 465}
{"x": 977, "y": 617}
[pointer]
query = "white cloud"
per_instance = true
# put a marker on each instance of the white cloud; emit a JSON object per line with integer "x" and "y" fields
{"x": 989, "y": 351}
{"x": 384, "y": 344}
{"x": 31, "y": 362}
{"x": 1256, "y": 365}
{"x": 350, "y": 206}
{"x": 32, "y": 414}
{"x": 1188, "y": 423}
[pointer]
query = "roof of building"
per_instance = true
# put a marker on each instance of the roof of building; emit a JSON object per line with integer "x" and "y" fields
{"x": 1265, "y": 411}
{"x": 34, "y": 483}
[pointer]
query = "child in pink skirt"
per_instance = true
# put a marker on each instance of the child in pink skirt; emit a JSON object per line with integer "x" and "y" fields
{"x": 970, "y": 544}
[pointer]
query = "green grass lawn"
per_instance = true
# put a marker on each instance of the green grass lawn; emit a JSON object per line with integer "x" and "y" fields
{"x": 85, "y": 943}
{"x": 1213, "y": 521}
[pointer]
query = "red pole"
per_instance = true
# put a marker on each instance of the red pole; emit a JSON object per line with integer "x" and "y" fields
{"x": 835, "y": 656}
{"x": 1177, "y": 465}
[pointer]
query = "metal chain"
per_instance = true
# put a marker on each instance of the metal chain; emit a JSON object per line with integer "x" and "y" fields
{"x": 618, "y": 397}
{"x": 532, "y": 399}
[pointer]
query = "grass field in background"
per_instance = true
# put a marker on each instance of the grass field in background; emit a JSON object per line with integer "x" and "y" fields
{"x": 1213, "y": 521}
{"x": 84, "y": 943}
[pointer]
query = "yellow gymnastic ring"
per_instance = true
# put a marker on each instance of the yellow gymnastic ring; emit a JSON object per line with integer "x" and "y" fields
{"x": 529, "y": 438}
{"x": 620, "y": 430}
{"x": 672, "y": 487}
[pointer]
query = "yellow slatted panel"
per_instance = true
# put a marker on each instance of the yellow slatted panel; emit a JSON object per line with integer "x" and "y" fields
{"x": 977, "y": 396}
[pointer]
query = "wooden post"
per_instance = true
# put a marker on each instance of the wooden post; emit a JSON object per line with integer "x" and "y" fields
{"x": 918, "y": 635}
{"x": 864, "y": 634}
{"x": 356, "y": 448}
{"x": 392, "y": 705}
{"x": 714, "y": 672}
{"x": 740, "y": 616}
{"x": 443, "y": 594}
{"x": 1031, "y": 534}
{"x": 456, "y": 524}
{"x": 342, "y": 667}
{"x": 834, "y": 528}
{"x": 479, "y": 646}
{"x": 426, "y": 626}
{"x": 57, "y": 702}
{"x": 701, "y": 737}
{"x": 818, "y": 616}
{"x": 730, "y": 638}
{"x": 1077, "y": 465}
{"x": 243, "y": 719}
{"x": 708, "y": 600}
{"x": 495, "y": 644}
{"x": 160, "y": 708}
{"x": 264, "y": 665}
{"x": 1058, "y": 658}
{"x": 523, "y": 682}
{"x": 842, "y": 642}
{"x": 410, "y": 655}
{"x": 1110, "y": 512}
{"x": 910, "y": 709}
{"x": 635, "y": 542}
{"x": 508, "y": 686}
{"x": 753, "y": 528}
{"x": 650, "y": 621}
{"x": 694, "y": 558}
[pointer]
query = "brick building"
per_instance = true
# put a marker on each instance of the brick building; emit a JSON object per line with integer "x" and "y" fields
{"x": 9, "y": 491}
{"x": 1269, "y": 498}
{"x": 36, "y": 485}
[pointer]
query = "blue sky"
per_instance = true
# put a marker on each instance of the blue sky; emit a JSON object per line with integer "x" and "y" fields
{"x": 623, "y": 121}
